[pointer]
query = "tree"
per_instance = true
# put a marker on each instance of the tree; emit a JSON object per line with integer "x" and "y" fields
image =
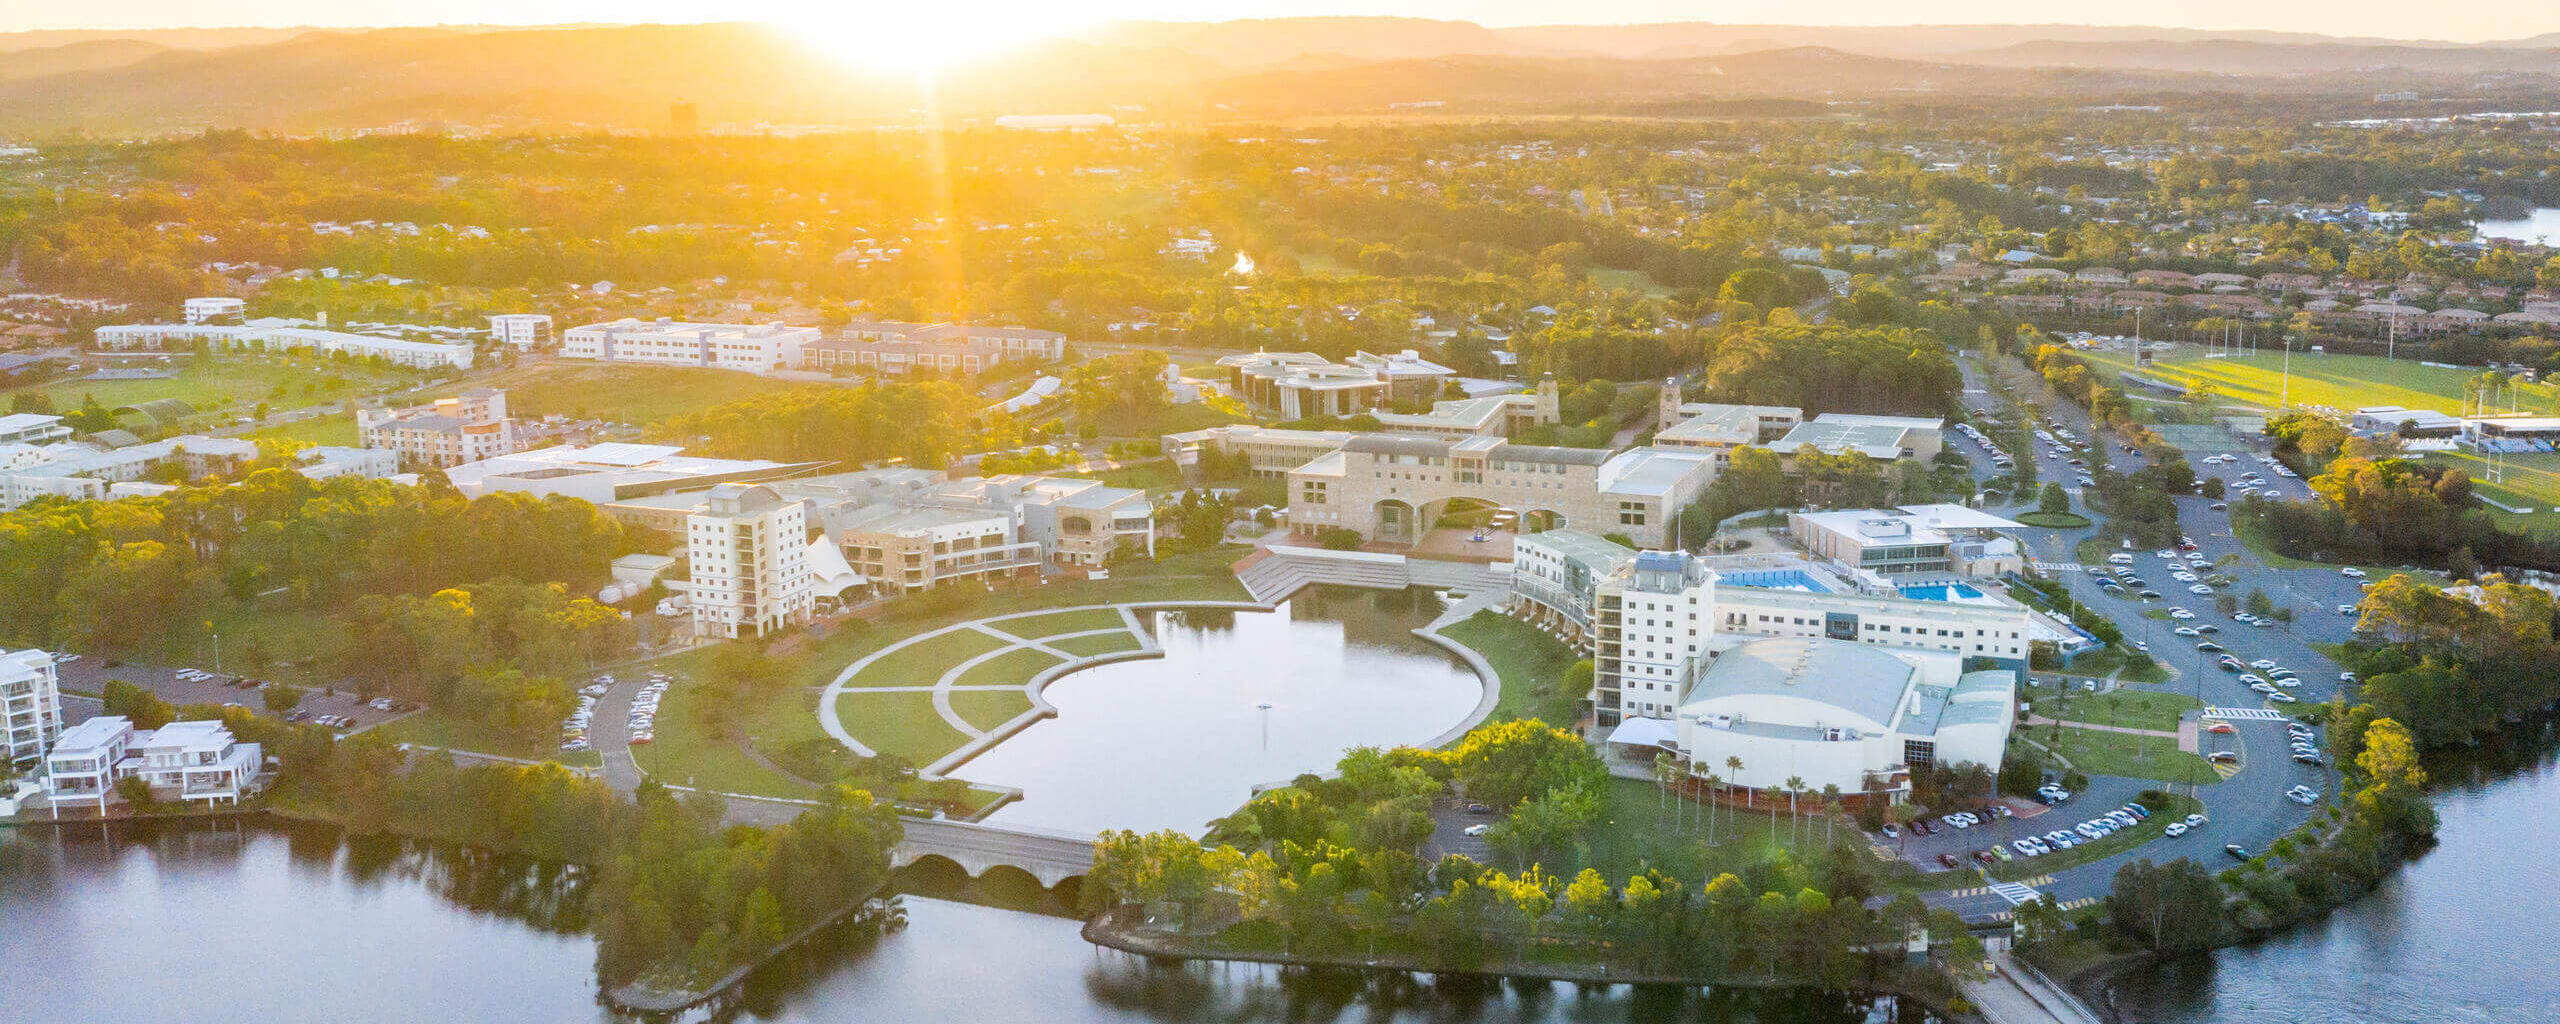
{"x": 2176, "y": 906}
{"x": 135, "y": 790}
{"x": 143, "y": 707}
{"x": 280, "y": 697}
{"x": 1830, "y": 812}
{"x": 2053, "y": 501}
{"x": 1795, "y": 788}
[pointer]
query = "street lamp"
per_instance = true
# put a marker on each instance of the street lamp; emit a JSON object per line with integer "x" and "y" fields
{"x": 1266, "y": 726}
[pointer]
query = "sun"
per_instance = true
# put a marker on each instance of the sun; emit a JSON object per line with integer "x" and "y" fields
{"x": 923, "y": 35}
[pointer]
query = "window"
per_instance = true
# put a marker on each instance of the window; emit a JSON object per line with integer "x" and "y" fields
{"x": 1919, "y": 753}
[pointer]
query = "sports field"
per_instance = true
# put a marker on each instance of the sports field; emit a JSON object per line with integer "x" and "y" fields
{"x": 2322, "y": 381}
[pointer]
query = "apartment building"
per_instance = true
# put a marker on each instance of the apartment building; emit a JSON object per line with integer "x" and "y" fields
{"x": 30, "y": 706}
{"x": 32, "y": 428}
{"x": 88, "y": 473}
{"x": 752, "y": 348}
{"x": 194, "y": 760}
{"x": 749, "y": 550}
{"x": 1396, "y": 488}
{"x": 448, "y": 432}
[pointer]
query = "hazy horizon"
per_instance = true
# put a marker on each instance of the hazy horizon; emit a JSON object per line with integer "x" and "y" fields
{"x": 2472, "y": 22}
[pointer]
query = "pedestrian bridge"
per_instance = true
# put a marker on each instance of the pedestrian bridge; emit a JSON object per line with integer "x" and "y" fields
{"x": 1051, "y": 856}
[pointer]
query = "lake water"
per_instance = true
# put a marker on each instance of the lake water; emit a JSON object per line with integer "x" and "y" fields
{"x": 1173, "y": 742}
{"x": 2541, "y": 227}
{"x": 263, "y": 924}
{"x": 2469, "y": 932}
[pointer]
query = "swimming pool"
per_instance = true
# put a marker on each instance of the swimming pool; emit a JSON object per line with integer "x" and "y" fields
{"x": 1774, "y": 579}
{"x": 1942, "y": 592}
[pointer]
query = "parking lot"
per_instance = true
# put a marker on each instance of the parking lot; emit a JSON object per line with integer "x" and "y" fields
{"x": 90, "y": 675}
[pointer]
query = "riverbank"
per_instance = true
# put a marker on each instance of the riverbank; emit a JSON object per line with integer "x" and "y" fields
{"x": 1117, "y": 929}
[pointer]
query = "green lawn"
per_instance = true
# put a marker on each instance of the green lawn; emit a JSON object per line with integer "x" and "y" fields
{"x": 2334, "y": 381}
{"x": 2532, "y": 481}
{"x": 1092, "y": 646}
{"x": 1012, "y": 667}
{"x": 1637, "y": 828}
{"x": 923, "y": 662}
{"x": 232, "y": 383}
{"x": 435, "y": 727}
{"x": 2126, "y": 708}
{"x": 904, "y": 724}
{"x": 1083, "y": 620}
{"x": 2099, "y": 752}
{"x": 627, "y": 393}
{"x": 1530, "y": 663}
{"x": 2101, "y": 662}
{"x": 687, "y": 753}
{"x": 988, "y": 709}
{"x": 2053, "y": 520}
{"x": 1614, "y": 279}
{"x": 1154, "y": 475}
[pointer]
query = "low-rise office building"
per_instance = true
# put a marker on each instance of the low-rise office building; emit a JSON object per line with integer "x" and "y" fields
{"x": 1807, "y": 714}
{"x": 608, "y": 473}
{"x": 32, "y": 428}
{"x": 526, "y": 331}
{"x": 1916, "y": 539}
{"x": 1302, "y": 384}
{"x": 893, "y": 348}
{"x": 30, "y": 706}
{"x": 288, "y": 336}
{"x": 85, "y": 472}
{"x": 1395, "y": 489}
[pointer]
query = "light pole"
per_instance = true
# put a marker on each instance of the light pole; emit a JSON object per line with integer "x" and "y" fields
{"x": 1266, "y": 726}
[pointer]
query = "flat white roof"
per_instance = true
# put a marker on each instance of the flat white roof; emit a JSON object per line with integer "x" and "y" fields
{"x": 1957, "y": 517}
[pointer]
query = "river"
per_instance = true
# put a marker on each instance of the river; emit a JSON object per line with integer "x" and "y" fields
{"x": 2468, "y": 932}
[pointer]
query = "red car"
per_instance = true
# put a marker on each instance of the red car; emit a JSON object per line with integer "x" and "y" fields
{"x": 1948, "y": 859}
{"x": 1983, "y": 856}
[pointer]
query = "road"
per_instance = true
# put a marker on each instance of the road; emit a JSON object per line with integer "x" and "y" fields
{"x": 2248, "y": 808}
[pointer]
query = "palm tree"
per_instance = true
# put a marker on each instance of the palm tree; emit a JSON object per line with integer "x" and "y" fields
{"x": 1713, "y": 780}
{"x": 1661, "y": 782}
{"x": 1830, "y": 812}
{"x": 1795, "y": 788}
{"x": 1734, "y": 764}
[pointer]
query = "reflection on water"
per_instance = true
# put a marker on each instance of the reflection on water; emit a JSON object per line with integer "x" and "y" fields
{"x": 2466, "y": 933}
{"x": 1173, "y": 742}
{"x": 231, "y": 921}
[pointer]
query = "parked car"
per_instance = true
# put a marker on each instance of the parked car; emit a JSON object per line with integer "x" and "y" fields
{"x": 2236, "y": 851}
{"x": 1948, "y": 860}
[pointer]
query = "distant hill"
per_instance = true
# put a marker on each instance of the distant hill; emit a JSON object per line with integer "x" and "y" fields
{"x": 170, "y": 38}
{"x": 627, "y": 76}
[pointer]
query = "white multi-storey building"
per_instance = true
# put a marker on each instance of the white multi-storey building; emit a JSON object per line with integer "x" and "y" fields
{"x": 753, "y": 348}
{"x": 522, "y": 330}
{"x": 273, "y": 335}
{"x": 749, "y": 549}
{"x": 216, "y": 309}
{"x": 32, "y": 428}
{"x": 83, "y": 472}
{"x": 30, "y": 706}
{"x": 196, "y": 760}
{"x": 82, "y": 763}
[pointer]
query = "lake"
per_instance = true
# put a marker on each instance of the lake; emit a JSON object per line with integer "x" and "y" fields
{"x": 1173, "y": 742}
{"x": 221, "y": 922}
{"x": 2541, "y": 227}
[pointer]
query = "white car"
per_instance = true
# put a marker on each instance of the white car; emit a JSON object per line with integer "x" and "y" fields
{"x": 2198, "y": 588}
{"x": 2351, "y": 572}
{"x": 1478, "y": 829}
{"x": 2175, "y": 830}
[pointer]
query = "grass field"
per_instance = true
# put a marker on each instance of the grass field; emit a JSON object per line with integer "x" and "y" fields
{"x": 1530, "y": 663}
{"x": 2323, "y": 380}
{"x": 1613, "y": 279}
{"x": 230, "y": 384}
{"x": 2099, "y": 752}
{"x": 627, "y": 393}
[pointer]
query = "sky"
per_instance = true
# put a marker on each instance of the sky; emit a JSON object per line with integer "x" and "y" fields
{"x": 2458, "y": 20}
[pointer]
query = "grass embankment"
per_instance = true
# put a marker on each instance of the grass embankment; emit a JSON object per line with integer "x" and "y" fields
{"x": 2122, "y": 707}
{"x": 1530, "y": 664}
{"x": 437, "y": 727}
{"x": 904, "y": 724}
{"x": 1014, "y": 668}
{"x": 781, "y": 722}
{"x": 2130, "y": 755}
{"x": 2318, "y": 380}
{"x": 627, "y": 393}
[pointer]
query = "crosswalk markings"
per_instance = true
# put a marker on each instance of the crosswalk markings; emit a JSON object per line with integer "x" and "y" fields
{"x": 2225, "y": 770}
{"x": 2243, "y": 714}
{"x": 2015, "y": 893}
{"x": 2079, "y": 903}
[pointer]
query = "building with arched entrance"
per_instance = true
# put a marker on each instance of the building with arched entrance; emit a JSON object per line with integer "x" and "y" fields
{"x": 1397, "y": 489}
